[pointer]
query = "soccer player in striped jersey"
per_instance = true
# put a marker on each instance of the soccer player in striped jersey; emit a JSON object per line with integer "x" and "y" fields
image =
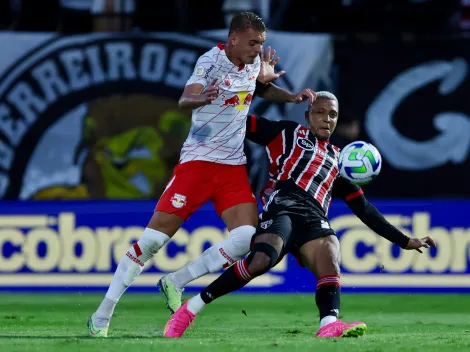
{"x": 304, "y": 168}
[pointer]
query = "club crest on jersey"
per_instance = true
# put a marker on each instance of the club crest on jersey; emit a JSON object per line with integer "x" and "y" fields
{"x": 199, "y": 71}
{"x": 265, "y": 224}
{"x": 306, "y": 144}
{"x": 178, "y": 200}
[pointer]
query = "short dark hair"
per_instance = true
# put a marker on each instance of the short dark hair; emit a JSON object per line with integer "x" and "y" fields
{"x": 244, "y": 20}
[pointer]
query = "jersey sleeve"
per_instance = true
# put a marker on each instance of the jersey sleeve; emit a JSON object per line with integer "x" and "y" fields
{"x": 204, "y": 70}
{"x": 345, "y": 190}
{"x": 262, "y": 131}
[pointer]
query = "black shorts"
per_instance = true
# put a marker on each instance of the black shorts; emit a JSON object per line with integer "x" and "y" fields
{"x": 295, "y": 216}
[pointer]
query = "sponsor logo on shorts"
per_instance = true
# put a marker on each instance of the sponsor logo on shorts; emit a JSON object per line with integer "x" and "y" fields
{"x": 178, "y": 200}
{"x": 265, "y": 224}
{"x": 305, "y": 144}
{"x": 324, "y": 224}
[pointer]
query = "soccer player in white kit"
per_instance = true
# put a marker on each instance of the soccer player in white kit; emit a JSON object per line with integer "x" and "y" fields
{"x": 211, "y": 166}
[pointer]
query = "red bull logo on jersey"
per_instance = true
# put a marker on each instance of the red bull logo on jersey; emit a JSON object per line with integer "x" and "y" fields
{"x": 239, "y": 101}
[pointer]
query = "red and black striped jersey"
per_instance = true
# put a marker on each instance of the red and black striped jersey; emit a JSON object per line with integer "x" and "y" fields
{"x": 296, "y": 154}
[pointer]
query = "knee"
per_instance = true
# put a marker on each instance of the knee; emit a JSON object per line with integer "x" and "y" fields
{"x": 152, "y": 240}
{"x": 259, "y": 264}
{"x": 241, "y": 238}
{"x": 262, "y": 258}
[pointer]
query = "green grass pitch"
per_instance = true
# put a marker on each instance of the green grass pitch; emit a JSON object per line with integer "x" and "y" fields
{"x": 53, "y": 323}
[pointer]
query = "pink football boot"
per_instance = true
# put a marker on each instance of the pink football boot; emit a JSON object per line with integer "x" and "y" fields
{"x": 341, "y": 329}
{"x": 179, "y": 322}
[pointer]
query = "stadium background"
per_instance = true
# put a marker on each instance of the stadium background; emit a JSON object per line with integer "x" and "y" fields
{"x": 90, "y": 132}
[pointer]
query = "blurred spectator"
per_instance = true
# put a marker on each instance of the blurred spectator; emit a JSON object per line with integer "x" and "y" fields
{"x": 332, "y": 16}
{"x": 113, "y": 15}
{"x": 84, "y": 16}
{"x": 464, "y": 22}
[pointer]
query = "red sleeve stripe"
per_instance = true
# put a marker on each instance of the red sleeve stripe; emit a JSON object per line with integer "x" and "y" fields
{"x": 354, "y": 195}
{"x": 252, "y": 123}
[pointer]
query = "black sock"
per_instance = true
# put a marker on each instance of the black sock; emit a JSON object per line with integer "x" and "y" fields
{"x": 328, "y": 296}
{"x": 233, "y": 279}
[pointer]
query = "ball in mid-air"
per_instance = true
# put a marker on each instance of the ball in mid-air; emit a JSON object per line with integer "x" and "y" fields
{"x": 359, "y": 162}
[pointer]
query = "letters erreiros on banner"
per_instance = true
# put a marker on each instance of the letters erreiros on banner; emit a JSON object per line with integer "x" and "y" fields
{"x": 95, "y": 116}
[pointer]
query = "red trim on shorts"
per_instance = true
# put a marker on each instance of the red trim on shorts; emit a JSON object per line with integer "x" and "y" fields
{"x": 252, "y": 123}
{"x": 354, "y": 195}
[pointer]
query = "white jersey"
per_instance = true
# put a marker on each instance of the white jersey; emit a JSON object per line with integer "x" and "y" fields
{"x": 218, "y": 129}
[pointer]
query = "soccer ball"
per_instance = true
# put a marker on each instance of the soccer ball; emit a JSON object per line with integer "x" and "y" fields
{"x": 359, "y": 162}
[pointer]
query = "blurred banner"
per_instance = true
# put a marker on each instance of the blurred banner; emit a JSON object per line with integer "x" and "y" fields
{"x": 412, "y": 97}
{"x": 75, "y": 246}
{"x": 95, "y": 116}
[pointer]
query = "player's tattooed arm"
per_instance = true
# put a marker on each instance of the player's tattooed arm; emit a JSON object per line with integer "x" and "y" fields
{"x": 271, "y": 92}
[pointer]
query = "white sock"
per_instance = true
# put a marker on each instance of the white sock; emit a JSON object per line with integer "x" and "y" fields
{"x": 106, "y": 309}
{"x": 224, "y": 253}
{"x": 196, "y": 304}
{"x": 130, "y": 266}
{"x": 183, "y": 276}
{"x": 327, "y": 320}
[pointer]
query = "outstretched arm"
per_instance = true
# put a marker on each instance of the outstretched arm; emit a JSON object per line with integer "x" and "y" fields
{"x": 371, "y": 217}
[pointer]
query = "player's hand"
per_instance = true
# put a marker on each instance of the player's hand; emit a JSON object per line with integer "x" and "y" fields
{"x": 306, "y": 94}
{"x": 211, "y": 92}
{"x": 267, "y": 190}
{"x": 417, "y": 243}
{"x": 266, "y": 72}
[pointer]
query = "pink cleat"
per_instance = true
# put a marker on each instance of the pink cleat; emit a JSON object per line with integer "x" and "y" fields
{"x": 179, "y": 322}
{"x": 341, "y": 329}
